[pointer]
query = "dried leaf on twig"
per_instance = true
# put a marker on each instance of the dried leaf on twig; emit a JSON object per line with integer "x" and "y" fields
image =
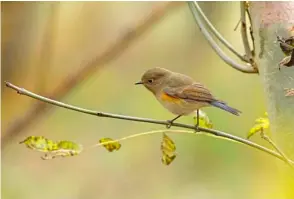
{"x": 110, "y": 144}
{"x": 168, "y": 149}
{"x": 52, "y": 148}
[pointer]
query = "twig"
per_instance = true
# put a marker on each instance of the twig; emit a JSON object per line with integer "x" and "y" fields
{"x": 111, "y": 53}
{"x": 237, "y": 25}
{"x": 251, "y": 29}
{"x": 271, "y": 142}
{"x": 245, "y": 37}
{"x": 218, "y": 35}
{"x": 214, "y": 132}
{"x": 214, "y": 45}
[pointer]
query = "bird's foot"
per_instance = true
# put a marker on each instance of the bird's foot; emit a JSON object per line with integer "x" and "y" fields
{"x": 170, "y": 122}
{"x": 197, "y": 128}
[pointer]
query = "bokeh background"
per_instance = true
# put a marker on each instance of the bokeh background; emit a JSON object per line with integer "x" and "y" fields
{"x": 45, "y": 43}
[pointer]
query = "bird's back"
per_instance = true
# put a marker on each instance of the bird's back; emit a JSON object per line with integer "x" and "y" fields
{"x": 179, "y": 80}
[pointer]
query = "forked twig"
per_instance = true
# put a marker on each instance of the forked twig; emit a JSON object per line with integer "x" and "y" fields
{"x": 246, "y": 45}
{"x": 243, "y": 68}
{"x": 218, "y": 35}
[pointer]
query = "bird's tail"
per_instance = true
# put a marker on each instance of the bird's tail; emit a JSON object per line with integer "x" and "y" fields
{"x": 224, "y": 106}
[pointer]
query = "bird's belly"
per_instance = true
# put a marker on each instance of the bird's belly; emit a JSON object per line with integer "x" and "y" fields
{"x": 181, "y": 107}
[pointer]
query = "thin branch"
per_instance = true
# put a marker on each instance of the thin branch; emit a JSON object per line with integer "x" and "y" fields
{"x": 237, "y": 25}
{"x": 218, "y": 35}
{"x": 243, "y": 68}
{"x": 271, "y": 142}
{"x": 214, "y": 132}
{"x": 245, "y": 37}
{"x": 251, "y": 28}
{"x": 110, "y": 54}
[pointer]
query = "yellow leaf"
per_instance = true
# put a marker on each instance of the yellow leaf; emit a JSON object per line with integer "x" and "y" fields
{"x": 39, "y": 143}
{"x": 204, "y": 120}
{"x": 166, "y": 159}
{"x": 260, "y": 125}
{"x": 168, "y": 149}
{"x": 110, "y": 144}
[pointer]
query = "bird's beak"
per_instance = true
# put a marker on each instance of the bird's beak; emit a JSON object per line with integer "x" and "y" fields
{"x": 138, "y": 83}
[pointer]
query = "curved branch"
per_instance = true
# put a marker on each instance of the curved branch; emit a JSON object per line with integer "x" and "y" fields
{"x": 218, "y": 35}
{"x": 243, "y": 68}
{"x": 214, "y": 132}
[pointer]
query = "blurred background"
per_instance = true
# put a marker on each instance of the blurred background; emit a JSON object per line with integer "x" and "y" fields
{"x": 46, "y": 44}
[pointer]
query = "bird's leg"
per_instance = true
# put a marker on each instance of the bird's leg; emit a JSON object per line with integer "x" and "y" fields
{"x": 170, "y": 122}
{"x": 197, "y": 123}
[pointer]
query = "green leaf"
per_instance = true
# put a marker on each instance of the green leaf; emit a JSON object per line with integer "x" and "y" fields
{"x": 204, "y": 120}
{"x": 260, "y": 125}
{"x": 110, "y": 144}
{"x": 168, "y": 149}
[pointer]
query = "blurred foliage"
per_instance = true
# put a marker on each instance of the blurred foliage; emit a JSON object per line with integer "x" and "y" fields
{"x": 208, "y": 167}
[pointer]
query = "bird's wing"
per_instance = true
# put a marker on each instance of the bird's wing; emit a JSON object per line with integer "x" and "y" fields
{"x": 194, "y": 92}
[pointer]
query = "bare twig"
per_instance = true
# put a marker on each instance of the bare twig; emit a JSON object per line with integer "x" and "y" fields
{"x": 271, "y": 142}
{"x": 218, "y": 35}
{"x": 111, "y": 53}
{"x": 214, "y": 132}
{"x": 237, "y": 25}
{"x": 245, "y": 37}
{"x": 250, "y": 28}
{"x": 243, "y": 68}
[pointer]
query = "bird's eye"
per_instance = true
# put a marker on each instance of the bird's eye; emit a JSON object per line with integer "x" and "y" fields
{"x": 150, "y": 81}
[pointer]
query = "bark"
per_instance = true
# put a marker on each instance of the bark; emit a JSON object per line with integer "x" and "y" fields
{"x": 270, "y": 19}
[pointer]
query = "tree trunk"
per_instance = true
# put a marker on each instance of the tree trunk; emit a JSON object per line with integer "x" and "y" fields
{"x": 270, "y": 19}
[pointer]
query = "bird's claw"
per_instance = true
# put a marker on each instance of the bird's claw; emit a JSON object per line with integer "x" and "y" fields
{"x": 197, "y": 129}
{"x": 169, "y": 124}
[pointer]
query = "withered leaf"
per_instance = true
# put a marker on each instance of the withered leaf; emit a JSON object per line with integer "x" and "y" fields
{"x": 110, "y": 144}
{"x": 168, "y": 149}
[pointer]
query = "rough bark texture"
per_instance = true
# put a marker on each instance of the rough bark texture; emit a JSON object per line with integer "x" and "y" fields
{"x": 270, "y": 19}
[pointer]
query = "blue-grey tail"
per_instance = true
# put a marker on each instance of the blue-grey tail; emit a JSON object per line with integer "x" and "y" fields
{"x": 224, "y": 106}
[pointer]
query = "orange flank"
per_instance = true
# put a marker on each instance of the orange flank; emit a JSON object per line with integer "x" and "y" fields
{"x": 168, "y": 98}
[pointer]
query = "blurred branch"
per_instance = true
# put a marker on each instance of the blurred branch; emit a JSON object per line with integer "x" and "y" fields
{"x": 243, "y": 68}
{"x": 111, "y": 53}
{"x": 218, "y": 35}
{"x": 246, "y": 45}
{"x": 214, "y": 132}
{"x": 47, "y": 45}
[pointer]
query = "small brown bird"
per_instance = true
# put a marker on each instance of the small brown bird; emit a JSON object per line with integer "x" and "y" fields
{"x": 180, "y": 94}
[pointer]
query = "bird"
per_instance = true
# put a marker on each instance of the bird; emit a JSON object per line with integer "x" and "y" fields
{"x": 180, "y": 94}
